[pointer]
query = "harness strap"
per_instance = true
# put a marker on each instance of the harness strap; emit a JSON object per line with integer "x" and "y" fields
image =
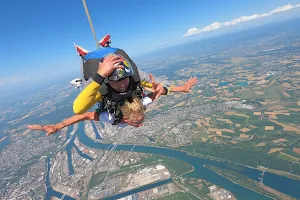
{"x": 112, "y": 106}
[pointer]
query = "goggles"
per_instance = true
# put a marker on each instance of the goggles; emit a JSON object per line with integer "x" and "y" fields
{"x": 116, "y": 78}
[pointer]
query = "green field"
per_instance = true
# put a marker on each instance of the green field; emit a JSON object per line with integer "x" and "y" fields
{"x": 241, "y": 154}
{"x": 237, "y": 119}
{"x": 192, "y": 183}
{"x": 221, "y": 124}
{"x": 179, "y": 196}
{"x": 236, "y": 133}
{"x": 291, "y": 152}
{"x": 293, "y": 105}
{"x": 271, "y": 93}
{"x": 292, "y": 118}
{"x": 255, "y": 121}
{"x": 176, "y": 166}
{"x": 284, "y": 157}
{"x": 291, "y": 93}
{"x": 97, "y": 179}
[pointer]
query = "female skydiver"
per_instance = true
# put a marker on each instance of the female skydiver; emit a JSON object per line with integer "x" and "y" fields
{"x": 132, "y": 111}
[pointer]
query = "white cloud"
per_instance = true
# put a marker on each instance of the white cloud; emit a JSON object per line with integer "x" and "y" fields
{"x": 281, "y": 9}
{"x": 211, "y": 27}
{"x": 192, "y": 31}
{"x": 13, "y": 79}
{"x": 217, "y": 25}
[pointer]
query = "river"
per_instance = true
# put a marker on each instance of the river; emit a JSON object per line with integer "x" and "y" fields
{"x": 280, "y": 183}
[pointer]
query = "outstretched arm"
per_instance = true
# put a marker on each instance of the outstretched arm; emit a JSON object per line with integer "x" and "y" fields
{"x": 53, "y": 128}
{"x": 186, "y": 87}
{"x": 182, "y": 88}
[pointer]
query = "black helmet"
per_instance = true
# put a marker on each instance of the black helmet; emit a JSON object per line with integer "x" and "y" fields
{"x": 121, "y": 73}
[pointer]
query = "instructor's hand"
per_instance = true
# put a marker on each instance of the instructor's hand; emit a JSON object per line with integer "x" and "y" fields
{"x": 157, "y": 89}
{"x": 109, "y": 64}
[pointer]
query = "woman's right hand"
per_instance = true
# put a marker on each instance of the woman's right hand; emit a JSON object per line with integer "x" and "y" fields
{"x": 50, "y": 129}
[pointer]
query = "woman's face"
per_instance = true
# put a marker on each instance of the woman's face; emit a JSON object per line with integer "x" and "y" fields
{"x": 135, "y": 120}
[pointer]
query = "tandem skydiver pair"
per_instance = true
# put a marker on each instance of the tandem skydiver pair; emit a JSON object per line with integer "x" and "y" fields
{"x": 111, "y": 79}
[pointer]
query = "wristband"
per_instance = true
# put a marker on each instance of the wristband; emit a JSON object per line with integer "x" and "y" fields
{"x": 166, "y": 90}
{"x": 98, "y": 78}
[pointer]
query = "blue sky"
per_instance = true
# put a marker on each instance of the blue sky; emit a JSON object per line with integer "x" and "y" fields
{"x": 37, "y": 36}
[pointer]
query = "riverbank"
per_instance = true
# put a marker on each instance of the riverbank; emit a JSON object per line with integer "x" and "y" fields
{"x": 193, "y": 168}
{"x": 250, "y": 184}
{"x": 283, "y": 173}
{"x": 277, "y": 172}
{"x": 66, "y": 191}
{"x": 243, "y": 185}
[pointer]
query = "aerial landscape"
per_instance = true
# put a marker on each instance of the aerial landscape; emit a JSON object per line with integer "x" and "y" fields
{"x": 235, "y": 136}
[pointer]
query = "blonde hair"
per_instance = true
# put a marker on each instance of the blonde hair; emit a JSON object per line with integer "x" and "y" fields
{"x": 132, "y": 108}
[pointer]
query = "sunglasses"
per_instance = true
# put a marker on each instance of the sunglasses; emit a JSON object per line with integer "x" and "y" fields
{"x": 116, "y": 78}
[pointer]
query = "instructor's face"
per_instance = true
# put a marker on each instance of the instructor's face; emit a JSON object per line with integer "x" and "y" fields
{"x": 121, "y": 85}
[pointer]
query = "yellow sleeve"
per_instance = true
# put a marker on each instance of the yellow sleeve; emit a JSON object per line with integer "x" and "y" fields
{"x": 149, "y": 85}
{"x": 146, "y": 84}
{"x": 87, "y": 98}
